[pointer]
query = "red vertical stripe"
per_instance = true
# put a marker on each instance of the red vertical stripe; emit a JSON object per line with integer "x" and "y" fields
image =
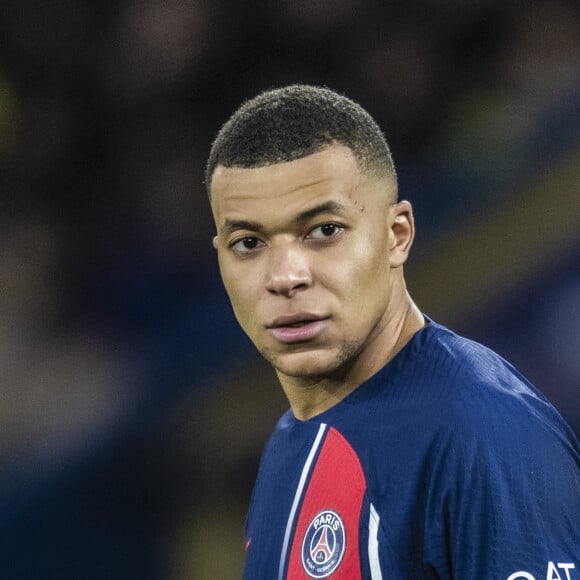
{"x": 337, "y": 484}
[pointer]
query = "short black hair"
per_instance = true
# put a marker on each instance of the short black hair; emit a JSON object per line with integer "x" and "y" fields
{"x": 293, "y": 122}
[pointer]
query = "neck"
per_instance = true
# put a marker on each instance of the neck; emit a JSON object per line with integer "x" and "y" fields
{"x": 310, "y": 396}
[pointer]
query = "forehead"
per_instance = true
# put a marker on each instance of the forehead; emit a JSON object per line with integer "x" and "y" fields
{"x": 281, "y": 187}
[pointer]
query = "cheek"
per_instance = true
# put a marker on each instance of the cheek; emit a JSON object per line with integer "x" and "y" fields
{"x": 363, "y": 265}
{"x": 361, "y": 282}
{"x": 242, "y": 292}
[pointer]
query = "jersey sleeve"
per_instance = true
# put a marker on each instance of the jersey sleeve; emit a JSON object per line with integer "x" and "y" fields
{"x": 504, "y": 499}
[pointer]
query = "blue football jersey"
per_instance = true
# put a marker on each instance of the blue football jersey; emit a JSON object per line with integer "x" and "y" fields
{"x": 445, "y": 464}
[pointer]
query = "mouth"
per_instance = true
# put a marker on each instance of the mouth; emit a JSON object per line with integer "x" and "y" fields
{"x": 300, "y": 327}
{"x": 295, "y": 320}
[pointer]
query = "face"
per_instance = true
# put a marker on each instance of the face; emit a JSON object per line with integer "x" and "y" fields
{"x": 310, "y": 253}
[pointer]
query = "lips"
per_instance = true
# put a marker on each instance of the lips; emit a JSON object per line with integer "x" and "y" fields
{"x": 299, "y": 327}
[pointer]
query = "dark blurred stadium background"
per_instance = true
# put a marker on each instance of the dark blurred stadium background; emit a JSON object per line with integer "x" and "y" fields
{"x": 133, "y": 410}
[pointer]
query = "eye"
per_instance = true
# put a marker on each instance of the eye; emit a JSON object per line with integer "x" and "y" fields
{"x": 325, "y": 231}
{"x": 246, "y": 244}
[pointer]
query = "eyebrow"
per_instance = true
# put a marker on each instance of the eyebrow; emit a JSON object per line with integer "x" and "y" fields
{"x": 326, "y": 207}
{"x": 232, "y": 225}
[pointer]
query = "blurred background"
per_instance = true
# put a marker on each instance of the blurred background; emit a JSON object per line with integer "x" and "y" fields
{"x": 133, "y": 410}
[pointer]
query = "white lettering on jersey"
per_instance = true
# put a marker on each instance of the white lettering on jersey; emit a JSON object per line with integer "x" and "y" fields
{"x": 566, "y": 567}
{"x": 551, "y": 573}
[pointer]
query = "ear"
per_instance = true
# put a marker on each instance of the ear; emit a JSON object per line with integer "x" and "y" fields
{"x": 402, "y": 232}
{"x": 215, "y": 242}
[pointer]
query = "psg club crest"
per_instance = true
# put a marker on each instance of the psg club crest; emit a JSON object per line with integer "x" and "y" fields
{"x": 323, "y": 545}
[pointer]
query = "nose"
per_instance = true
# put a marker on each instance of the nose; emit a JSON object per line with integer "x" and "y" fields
{"x": 289, "y": 270}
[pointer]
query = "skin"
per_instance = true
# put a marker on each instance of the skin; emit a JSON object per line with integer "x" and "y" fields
{"x": 316, "y": 238}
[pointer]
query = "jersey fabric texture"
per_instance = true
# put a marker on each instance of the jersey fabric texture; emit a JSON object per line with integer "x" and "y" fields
{"x": 445, "y": 464}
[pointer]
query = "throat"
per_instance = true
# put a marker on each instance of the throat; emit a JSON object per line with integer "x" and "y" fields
{"x": 309, "y": 398}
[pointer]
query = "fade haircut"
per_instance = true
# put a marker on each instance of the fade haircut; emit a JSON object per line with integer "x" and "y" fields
{"x": 296, "y": 121}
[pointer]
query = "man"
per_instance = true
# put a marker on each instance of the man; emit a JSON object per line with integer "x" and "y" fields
{"x": 408, "y": 452}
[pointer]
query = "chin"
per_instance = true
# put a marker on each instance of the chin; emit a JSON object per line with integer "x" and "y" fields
{"x": 309, "y": 364}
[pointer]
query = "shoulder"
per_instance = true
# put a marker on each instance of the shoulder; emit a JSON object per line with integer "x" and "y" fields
{"x": 482, "y": 401}
{"x": 483, "y": 386}
{"x": 499, "y": 440}
{"x": 467, "y": 361}
{"x": 443, "y": 389}
{"x": 505, "y": 462}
